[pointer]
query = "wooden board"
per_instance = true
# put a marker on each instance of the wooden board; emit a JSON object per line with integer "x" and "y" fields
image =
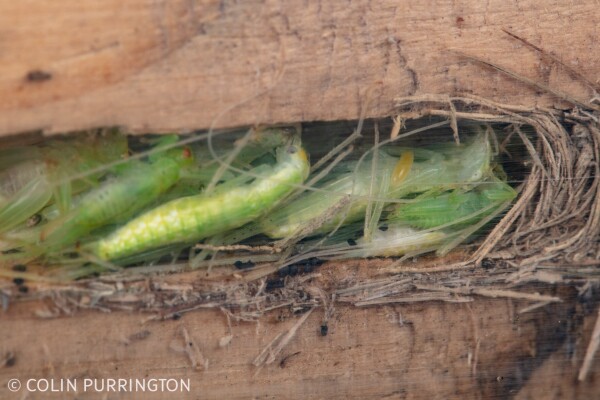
{"x": 179, "y": 65}
{"x": 484, "y": 349}
{"x": 487, "y": 348}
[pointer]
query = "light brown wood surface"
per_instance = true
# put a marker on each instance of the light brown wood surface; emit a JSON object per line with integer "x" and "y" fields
{"x": 179, "y": 65}
{"x": 487, "y": 348}
{"x": 483, "y": 349}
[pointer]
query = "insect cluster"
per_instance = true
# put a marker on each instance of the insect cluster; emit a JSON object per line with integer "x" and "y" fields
{"x": 76, "y": 206}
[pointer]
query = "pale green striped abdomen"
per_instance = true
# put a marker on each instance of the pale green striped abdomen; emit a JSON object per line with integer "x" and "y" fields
{"x": 193, "y": 218}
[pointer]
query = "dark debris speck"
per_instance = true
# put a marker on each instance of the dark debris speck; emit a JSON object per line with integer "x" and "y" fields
{"x": 18, "y": 281}
{"x": 38, "y": 75}
{"x": 19, "y": 268}
{"x": 324, "y": 329}
{"x": 302, "y": 267}
{"x": 10, "y": 360}
{"x": 486, "y": 263}
{"x": 243, "y": 265}
{"x": 273, "y": 284}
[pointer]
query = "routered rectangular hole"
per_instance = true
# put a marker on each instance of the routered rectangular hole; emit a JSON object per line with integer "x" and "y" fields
{"x": 286, "y": 196}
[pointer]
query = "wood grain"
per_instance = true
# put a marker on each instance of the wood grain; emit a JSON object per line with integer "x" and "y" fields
{"x": 415, "y": 351}
{"x": 179, "y": 65}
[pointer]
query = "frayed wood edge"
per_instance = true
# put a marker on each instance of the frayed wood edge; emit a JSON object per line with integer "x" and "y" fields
{"x": 270, "y": 352}
{"x": 591, "y": 351}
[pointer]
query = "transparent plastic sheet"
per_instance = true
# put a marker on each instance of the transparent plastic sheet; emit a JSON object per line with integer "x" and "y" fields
{"x": 319, "y": 214}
